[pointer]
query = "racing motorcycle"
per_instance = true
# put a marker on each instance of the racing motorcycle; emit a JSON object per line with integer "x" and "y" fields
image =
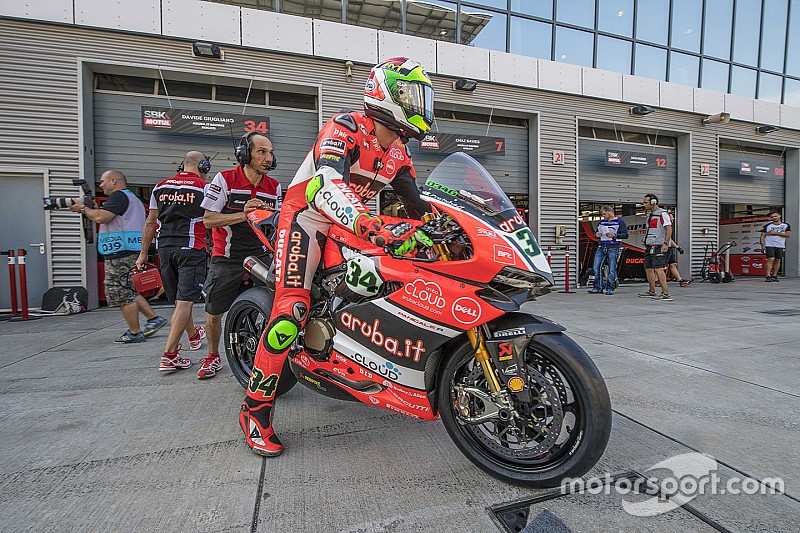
{"x": 440, "y": 334}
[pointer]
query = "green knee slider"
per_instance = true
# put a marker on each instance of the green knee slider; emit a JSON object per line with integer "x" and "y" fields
{"x": 280, "y": 334}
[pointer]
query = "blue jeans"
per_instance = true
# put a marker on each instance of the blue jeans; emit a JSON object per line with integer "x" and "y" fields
{"x": 611, "y": 254}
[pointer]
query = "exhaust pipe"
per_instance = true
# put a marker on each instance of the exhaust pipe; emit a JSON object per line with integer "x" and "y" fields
{"x": 257, "y": 269}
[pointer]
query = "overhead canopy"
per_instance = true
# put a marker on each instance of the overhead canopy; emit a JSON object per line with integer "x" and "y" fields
{"x": 423, "y": 19}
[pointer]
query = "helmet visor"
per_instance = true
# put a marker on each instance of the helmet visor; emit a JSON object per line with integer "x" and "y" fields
{"x": 416, "y": 99}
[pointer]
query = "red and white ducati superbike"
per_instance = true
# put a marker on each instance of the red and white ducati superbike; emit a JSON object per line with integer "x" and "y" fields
{"x": 441, "y": 335}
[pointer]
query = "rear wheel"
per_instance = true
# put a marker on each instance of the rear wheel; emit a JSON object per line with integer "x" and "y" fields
{"x": 561, "y": 434}
{"x": 244, "y": 325}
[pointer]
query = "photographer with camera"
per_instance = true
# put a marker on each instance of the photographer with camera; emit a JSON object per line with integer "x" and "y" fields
{"x": 119, "y": 240}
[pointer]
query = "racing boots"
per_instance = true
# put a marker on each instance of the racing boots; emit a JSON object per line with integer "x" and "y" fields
{"x": 255, "y": 419}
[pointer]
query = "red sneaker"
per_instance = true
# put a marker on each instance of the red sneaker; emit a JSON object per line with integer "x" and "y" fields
{"x": 255, "y": 419}
{"x": 196, "y": 340}
{"x": 209, "y": 366}
{"x": 170, "y": 362}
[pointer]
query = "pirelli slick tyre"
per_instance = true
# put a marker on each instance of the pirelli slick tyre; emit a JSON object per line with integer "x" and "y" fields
{"x": 561, "y": 434}
{"x": 244, "y": 324}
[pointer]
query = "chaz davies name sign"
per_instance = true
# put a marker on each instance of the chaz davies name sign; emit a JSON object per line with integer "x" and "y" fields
{"x": 449, "y": 143}
{"x": 188, "y": 121}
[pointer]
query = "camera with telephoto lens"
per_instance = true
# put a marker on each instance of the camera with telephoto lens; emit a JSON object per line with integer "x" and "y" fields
{"x": 55, "y": 202}
{"x": 58, "y": 202}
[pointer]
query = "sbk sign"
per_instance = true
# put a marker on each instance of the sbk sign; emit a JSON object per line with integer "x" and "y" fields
{"x": 201, "y": 122}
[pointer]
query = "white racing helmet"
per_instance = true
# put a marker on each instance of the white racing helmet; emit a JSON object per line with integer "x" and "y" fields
{"x": 399, "y": 95}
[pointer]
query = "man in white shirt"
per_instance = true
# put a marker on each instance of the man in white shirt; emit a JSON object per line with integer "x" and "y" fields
{"x": 773, "y": 241}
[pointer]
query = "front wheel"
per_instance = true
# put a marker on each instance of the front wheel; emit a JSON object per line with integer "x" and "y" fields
{"x": 561, "y": 434}
{"x": 244, "y": 325}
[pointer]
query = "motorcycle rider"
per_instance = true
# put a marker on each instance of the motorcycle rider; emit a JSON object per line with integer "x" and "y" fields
{"x": 354, "y": 156}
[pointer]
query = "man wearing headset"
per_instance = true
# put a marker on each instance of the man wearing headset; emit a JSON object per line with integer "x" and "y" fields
{"x": 228, "y": 198}
{"x": 175, "y": 209}
{"x": 354, "y": 156}
{"x": 656, "y": 241}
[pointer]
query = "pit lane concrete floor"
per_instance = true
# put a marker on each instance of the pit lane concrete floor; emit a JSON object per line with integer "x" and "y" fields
{"x": 92, "y": 438}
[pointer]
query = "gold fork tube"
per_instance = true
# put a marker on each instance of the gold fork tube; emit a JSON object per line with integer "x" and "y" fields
{"x": 478, "y": 344}
{"x": 482, "y": 357}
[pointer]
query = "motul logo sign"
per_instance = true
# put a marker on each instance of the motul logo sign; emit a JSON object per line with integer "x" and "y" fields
{"x": 466, "y": 310}
{"x": 155, "y": 118}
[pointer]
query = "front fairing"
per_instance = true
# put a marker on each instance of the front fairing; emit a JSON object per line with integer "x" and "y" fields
{"x": 461, "y": 186}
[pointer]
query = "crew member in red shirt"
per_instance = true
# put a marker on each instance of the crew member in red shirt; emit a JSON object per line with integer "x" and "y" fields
{"x": 354, "y": 157}
{"x": 228, "y": 198}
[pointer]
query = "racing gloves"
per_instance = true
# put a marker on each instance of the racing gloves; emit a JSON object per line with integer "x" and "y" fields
{"x": 400, "y": 238}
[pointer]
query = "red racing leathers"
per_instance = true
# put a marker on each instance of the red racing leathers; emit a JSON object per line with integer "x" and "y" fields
{"x": 346, "y": 167}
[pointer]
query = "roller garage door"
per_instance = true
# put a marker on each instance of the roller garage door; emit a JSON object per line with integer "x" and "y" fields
{"x": 148, "y": 156}
{"x": 751, "y": 178}
{"x": 639, "y": 169}
{"x": 510, "y": 170}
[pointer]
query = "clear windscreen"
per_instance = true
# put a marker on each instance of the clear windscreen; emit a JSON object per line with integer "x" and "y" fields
{"x": 460, "y": 180}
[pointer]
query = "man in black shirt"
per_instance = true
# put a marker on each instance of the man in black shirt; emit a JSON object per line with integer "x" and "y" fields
{"x": 175, "y": 209}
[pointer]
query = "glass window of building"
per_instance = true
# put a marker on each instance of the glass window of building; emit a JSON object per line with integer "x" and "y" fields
{"x": 491, "y": 35}
{"x": 793, "y": 45}
{"x": 717, "y": 30}
{"x": 536, "y": 8}
{"x": 687, "y": 18}
{"x": 433, "y": 19}
{"x": 652, "y": 21}
{"x": 379, "y": 14}
{"x": 574, "y": 46}
{"x": 773, "y": 41}
{"x": 185, "y": 89}
{"x": 240, "y": 94}
{"x": 683, "y": 68}
{"x": 651, "y": 62}
{"x": 715, "y": 75}
{"x": 126, "y": 84}
{"x": 499, "y": 4}
{"x": 531, "y": 38}
{"x": 743, "y": 82}
{"x": 576, "y": 12}
{"x": 614, "y": 54}
{"x": 615, "y": 16}
{"x": 316, "y": 9}
{"x": 791, "y": 93}
{"x": 747, "y": 27}
{"x": 770, "y": 87}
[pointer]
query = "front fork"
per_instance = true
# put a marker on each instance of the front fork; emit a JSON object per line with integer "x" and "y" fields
{"x": 475, "y": 338}
{"x": 482, "y": 357}
{"x": 499, "y": 395}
